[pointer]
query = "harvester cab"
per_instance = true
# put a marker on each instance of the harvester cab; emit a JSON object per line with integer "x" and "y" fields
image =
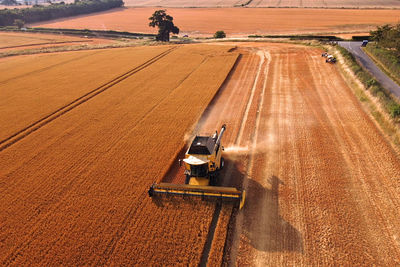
{"x": 203, "y": 162}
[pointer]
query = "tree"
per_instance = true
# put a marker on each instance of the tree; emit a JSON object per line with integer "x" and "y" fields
{"x": 380, "y": 33}
{"x": 219, "y": 34}
{"x": 164, "y": 23}
{"x": 19, "y": 23}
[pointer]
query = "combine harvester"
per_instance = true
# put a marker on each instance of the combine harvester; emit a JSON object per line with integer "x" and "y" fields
{"x": 203, "y": 162}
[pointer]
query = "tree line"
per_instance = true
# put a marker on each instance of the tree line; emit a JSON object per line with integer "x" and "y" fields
{"x": 388, "y": 36}
{"x": 54, "y": 11}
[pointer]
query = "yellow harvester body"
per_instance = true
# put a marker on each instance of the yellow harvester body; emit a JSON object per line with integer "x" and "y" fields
{"x": 203, "y": 162}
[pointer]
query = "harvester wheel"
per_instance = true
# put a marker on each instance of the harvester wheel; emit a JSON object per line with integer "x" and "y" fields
{"x": 187, "y": 179}
{"x": 213, "y": 180}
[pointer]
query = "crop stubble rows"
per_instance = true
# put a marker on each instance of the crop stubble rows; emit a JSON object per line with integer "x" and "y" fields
{"x": 74, "y": 191}
{"x": 320, "y": 177}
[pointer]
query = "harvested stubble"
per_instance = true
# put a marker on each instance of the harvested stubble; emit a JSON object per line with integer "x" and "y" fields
{"x": 321, "y": 177}
{"x": 75, "y": 191}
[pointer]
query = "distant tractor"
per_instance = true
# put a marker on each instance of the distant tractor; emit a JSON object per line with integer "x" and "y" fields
{"x": 324, "y": 54}
{"x": 330, "y": 59}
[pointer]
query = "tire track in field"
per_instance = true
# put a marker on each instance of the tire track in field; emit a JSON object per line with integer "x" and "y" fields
{"x": 265, "y": 59}
{"x": 263, "y": 64}
{"x": 209, "y": 118}
{"x": 77, "y": 102}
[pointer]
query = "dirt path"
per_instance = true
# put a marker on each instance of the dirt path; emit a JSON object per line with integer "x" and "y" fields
{"x": 322, "y": 182}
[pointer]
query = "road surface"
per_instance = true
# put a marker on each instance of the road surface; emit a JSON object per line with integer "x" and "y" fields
{"x": 367, "y": 63}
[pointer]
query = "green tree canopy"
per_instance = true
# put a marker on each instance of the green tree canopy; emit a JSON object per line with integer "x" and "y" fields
{"x": 388, "y": 36}
{"x": 219, "y": 34}
{"x": 164, "y": 23}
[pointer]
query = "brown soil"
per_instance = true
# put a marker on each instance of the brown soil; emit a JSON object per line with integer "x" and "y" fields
{"x": 235, "y": 21}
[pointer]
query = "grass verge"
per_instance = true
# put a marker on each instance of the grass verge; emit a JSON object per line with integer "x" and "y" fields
{"x": 386, "y": 60}
{"x": 386, "y": 99}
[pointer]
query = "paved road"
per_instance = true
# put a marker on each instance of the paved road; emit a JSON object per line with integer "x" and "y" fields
{"x": 365, "y": 60}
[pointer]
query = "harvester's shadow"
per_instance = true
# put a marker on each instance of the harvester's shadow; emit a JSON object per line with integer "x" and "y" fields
{"x": 263, "y": 227}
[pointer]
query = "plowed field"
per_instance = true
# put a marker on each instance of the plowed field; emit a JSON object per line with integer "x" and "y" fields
{"x": 236, "y": 21}
{"x": 74, "y": 190}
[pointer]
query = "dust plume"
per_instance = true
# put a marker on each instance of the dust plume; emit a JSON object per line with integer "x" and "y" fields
{"x": 236, "y": 150}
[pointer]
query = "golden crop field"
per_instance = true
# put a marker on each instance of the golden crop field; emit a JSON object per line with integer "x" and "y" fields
{"x": 53, "y": 81}
{"x": 23, "y": 40}
{"x": 74, "y": 190}
{"x": 236, "y": 21}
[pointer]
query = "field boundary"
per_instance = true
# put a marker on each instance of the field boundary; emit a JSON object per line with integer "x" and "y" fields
{"x": 78, "y": 101}
{"x": 379, "y": 62}
{"x": 78, "y": 32}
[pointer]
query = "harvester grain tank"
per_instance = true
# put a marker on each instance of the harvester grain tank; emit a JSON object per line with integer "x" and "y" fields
{"x": 203, "y": 163}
